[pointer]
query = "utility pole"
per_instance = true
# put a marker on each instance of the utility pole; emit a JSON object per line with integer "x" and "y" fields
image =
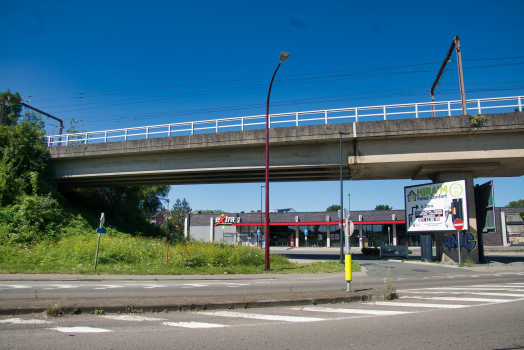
{"x": 36, "y": 110}
{"x": 461, "y": 76}
{"x": 454, "y": 45}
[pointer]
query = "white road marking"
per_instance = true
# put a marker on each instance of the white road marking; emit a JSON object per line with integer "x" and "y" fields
{"x": 133, "y": 318}
{"x": 260, "y": 316}
{"x": 355, "y": 311}
{"x": 194, "y": 324}
{"x": 482, "y": 300}
{"x": 474, "y": 293}
{"x": 62, "y": 286}
{"x": 151, "y": 286}
{"x": 498, "y": 286}
{"x": 469, "y": 289}
{"x": 195, "y": 285}
{"x": 14, "y": 286}
{"x": 439, "y": 306}
{"x": 21, "y": 321}
{"x": 80, "y": 330}
{"x": 109, "y": 287}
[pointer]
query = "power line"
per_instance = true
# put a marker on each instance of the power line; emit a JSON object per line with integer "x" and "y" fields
{"x": 237, "y": 81}
{"x": 396, "y": 92}
{"x": 243, "y": 81}
{"x": 220, "y": 91}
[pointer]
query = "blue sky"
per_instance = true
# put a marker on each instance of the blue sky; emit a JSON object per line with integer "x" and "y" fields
{"x": 145, "y": 63}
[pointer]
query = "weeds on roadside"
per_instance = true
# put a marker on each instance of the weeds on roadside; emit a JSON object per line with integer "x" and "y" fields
{"x": 132, "y": 310}
{"x": 467, "y": 262}
{"x": 97, "y": 312}
{"x": 76, "y": 310}
{"x": 54, "y": 311}
{"x": 391, "y": 291}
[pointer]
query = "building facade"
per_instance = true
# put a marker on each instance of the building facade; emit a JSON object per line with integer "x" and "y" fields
{"x": 306, "y": 229}
{"x": 321, "y": 229}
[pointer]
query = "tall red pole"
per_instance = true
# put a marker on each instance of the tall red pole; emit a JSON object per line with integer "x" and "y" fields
{"x": 266, "y": 222}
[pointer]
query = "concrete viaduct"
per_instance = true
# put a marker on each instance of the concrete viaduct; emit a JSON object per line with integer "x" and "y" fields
{"x": 437, "y": 149}
{"x": 393, "y": 149}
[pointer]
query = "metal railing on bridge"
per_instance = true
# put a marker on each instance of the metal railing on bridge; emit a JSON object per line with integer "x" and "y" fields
{"x": 328, "y": 116}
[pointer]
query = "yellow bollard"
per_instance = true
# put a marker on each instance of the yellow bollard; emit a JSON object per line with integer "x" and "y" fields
{"x": 348, "y": 268}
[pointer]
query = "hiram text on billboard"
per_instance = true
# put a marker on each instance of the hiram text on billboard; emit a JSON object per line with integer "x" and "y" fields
{"x": 435, "y": 207}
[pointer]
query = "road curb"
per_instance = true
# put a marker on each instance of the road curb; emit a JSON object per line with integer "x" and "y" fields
{"x": 171, "y": 304}
{"x": 423, "y": 263}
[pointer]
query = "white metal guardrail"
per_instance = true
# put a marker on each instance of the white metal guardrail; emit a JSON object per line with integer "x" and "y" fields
{"x": 354, "y": 114}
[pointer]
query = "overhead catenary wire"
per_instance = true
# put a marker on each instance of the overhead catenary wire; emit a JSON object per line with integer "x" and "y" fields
{"x": 396, "y": 92}
{"x": 238, "y": 81}
{"x": 219, "y": 91}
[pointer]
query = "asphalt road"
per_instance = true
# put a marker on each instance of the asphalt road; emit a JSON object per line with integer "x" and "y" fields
{"x": 482, "y": 316}
{"x": 404, "y": 275}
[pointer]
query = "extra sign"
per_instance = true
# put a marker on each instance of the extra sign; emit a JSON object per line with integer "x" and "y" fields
{"x": 223, "y": 219}
{"x": 436, "y": 207}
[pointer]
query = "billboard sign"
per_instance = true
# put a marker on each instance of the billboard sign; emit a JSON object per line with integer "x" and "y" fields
{"x": 436, "y": 206}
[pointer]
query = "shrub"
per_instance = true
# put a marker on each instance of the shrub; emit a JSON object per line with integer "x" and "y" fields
{"x": 371, "y": 251}
{"x": 32, "y": 219}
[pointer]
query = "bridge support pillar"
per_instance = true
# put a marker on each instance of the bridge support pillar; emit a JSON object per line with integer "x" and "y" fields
{"x": 452, "y": 254}
{"x": 426, "y": 247}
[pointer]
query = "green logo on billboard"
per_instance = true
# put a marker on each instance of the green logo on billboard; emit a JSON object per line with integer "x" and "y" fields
{"x": 456, "y": 189}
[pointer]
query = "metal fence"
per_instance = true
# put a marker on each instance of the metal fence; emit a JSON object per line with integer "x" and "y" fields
{"x": 328, "y": 116}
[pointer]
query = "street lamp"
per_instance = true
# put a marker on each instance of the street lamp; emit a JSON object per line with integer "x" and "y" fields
{"x": 261, "y": 211}
{"x": 341, "y": 203}
{"x": 283, "y": 56}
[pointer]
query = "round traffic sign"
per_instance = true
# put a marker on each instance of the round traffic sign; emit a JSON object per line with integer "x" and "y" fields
{"x": 459, "y": 224}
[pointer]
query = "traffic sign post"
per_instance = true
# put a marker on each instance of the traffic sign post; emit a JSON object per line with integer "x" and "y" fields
{"x": 459, "y": 225}
{"x": 349, "y": 231}
{"x": 99, "y": 231}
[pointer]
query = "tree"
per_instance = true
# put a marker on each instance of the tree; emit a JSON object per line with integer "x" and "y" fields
{"x": 126, "y": 208}
{"x": 517, "y": 204}
{"x": 24, "y": 168}
{"x": 12, "y": 111}
{"x": 514, "y": 204}
{"x": 29, "y": 209}
{"x": 383, "y": 207}
{"x": 175, "y": 224}
{"x": 334, "y": 207}
{"x": 211, "y": 211}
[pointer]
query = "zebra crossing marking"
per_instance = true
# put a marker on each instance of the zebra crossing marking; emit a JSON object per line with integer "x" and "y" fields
{"x": 485, "y": 300}
{"x": 474, "y": 293}
{"x": 132, "y": 318}
{"x": 423, "y": 305}
{"x": 21, "y": 321}
{"x": 261, "y": 316}
{"x": 355, "y": 311}
{"x": 194, "y": 325}
{"x": 80, "y": 330}
{"x": 468, "y": 289}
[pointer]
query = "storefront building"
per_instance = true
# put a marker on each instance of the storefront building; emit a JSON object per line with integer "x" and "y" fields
{"x": 321, "y": 229}
{"x": 309, "y": 229}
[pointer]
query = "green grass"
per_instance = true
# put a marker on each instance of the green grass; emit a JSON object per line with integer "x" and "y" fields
{"x": 122, "y": 254}
{"x": 467, "y": 262}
